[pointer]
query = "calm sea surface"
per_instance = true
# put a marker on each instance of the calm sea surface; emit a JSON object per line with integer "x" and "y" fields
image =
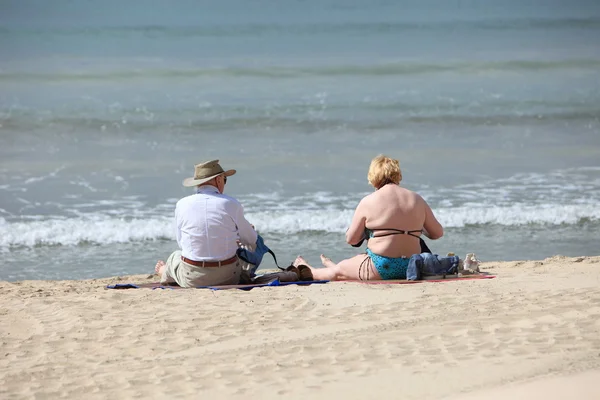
{"x": 492, "y": 108}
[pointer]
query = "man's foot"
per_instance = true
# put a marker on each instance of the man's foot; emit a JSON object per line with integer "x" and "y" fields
{"x": 299, "y": 261}
{"x": 326, "y": 261}
{"x": 160, "y": 267}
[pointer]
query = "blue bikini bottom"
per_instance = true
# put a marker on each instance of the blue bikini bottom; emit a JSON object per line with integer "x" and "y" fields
{"x": 388, "y": 267}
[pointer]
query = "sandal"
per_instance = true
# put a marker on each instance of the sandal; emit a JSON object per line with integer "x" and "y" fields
{"x": 294, "y": 269}
{"x": 304, "y": 273}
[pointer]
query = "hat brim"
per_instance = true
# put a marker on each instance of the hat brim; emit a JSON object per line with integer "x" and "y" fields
{"x": 190, "y": 182}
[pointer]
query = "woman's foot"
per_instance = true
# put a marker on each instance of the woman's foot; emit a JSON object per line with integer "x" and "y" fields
{"x": 305, "y": 272}
{"x": 160, "y": 267}
{"x": 300, "y": 261}
{"x": 326, "y": 261}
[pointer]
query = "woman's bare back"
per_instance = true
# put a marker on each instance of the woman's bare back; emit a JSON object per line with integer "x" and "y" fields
{"x": 395, "y": 208}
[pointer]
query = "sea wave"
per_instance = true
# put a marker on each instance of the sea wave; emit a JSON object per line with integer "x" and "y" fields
{"x": 301, "y": 72}
{"x": 105, "y": 230}
{"x": 93, "y": 229}
{"x": 307, "y": 29}
{"x": 302, "y": 118}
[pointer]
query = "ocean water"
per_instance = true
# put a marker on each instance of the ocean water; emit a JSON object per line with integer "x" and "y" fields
{"x": 492, "y": 108}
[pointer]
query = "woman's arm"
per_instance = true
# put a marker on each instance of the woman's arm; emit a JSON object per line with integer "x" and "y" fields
{"x": 431, "y": 227}
{"x": 356, "y": 232}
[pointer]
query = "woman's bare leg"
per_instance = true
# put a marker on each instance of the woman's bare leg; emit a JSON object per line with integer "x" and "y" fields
{"x": 349, "y": 269}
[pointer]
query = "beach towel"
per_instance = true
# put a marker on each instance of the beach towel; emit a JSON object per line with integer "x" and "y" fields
{"x": 277, "y": 282}
{"x": 428, "y": 279}
{"x": 158, "y": 285}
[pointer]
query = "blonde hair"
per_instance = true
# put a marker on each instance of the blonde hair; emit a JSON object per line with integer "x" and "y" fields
{"x": 384, "y": 170}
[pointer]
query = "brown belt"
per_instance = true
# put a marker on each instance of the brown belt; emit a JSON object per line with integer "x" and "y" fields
{"x": 209, "y": 263}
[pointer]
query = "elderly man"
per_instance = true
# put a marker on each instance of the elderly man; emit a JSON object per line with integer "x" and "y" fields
{"x": 210, "y": 226}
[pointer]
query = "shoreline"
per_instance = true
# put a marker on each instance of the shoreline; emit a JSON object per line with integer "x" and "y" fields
{"x": 534, "y": 327}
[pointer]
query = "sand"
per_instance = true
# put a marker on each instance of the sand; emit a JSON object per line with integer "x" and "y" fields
{"x": 532, "y": 331}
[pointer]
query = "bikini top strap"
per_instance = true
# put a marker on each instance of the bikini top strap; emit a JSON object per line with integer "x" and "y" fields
{"x": 412, "y": 233}
{"x": 396, "y": 232}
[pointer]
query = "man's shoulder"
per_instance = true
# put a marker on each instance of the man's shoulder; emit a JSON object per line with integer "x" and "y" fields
{"x": 203, "y": 196}
{"x": 185, "y": 200}
{"x": 229, "y": 199}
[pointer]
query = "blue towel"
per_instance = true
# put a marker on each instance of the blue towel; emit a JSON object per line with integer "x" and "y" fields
{"x": 153, "y": 286}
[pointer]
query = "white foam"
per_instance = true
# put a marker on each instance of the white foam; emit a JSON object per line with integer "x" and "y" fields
{"x": 52, "y": 174}
{"x": 102, "y": 229}
{"x": 518, "y": 214}
{"x": 301, "y": 220}
{"x": 567, "y": 197}
{"x": 452, "y": 217}
{"x": 74, "y": 231}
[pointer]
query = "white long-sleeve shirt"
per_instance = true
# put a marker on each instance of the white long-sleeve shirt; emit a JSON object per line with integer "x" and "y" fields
{"x": 209, "y": 225}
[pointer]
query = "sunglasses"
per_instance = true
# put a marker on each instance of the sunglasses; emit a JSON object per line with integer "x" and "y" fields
{"x": 224, "y": 179}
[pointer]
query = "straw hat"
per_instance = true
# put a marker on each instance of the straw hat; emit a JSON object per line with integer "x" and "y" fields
{"x": 205, "y": 172}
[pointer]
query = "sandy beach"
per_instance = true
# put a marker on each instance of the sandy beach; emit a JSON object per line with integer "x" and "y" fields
{"x": 532, "y": 332}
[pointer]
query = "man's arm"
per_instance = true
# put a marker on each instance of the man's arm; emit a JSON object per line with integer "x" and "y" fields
{"x": 246, "y": 231}
{"x": 177, "y": 227}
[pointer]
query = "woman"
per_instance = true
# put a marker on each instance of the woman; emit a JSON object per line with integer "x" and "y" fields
{"x": 392, "y": 219}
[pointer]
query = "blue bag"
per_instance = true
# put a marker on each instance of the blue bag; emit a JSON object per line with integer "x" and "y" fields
{"x": 255, "y": 257}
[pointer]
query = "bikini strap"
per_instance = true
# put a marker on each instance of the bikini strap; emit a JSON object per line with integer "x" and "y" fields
{"x": 397, "y": 232}
{"x": 411, "y": 233}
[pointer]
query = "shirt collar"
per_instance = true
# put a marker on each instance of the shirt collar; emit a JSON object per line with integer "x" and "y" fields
{"x": 207, "y": 189}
